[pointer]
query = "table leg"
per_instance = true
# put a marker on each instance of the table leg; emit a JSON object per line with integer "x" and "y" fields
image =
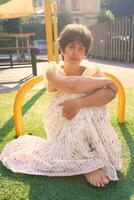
{"x": 33, "y": 61}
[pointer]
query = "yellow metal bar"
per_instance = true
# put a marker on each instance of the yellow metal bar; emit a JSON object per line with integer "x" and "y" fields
{"x": 121, "y": 98}
{"x": 18, "y": 103}
{"x": 55, "y": 32}
{"x": 30, "y": 83}
{"x": 48, "y": 21}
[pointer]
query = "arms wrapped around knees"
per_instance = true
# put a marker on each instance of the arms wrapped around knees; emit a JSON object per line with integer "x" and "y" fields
{"x": 96, "y": 98}
{"x": 76, "y": 84}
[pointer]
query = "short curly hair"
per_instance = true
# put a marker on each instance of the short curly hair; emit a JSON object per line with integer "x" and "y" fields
{"x": 75, "y": 32}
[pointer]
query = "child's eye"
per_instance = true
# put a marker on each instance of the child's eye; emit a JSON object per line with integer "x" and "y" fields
{"x": 82, "y": 49}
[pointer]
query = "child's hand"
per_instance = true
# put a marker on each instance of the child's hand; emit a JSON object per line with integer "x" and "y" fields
{"x": 113, "y": 87}
{"x": 51, "y": 88}
{"x": 70, "y": 108}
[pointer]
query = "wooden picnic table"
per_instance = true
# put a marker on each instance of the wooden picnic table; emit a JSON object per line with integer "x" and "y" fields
{"x": 9, "y": 35}
{"x": 30, "y": 47}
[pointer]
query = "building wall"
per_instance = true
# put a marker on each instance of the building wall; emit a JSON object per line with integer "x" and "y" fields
{"x": 83, "y": 11}
{"x": 38, "y": 3}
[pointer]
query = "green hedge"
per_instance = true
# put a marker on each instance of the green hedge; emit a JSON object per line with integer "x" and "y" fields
{"x": 38, "y": 29}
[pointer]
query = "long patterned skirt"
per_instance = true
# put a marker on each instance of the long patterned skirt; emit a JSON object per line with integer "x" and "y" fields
{"x": 78, "y": 146}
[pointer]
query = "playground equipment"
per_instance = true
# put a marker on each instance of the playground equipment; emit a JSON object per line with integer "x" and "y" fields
{"x": 18, "y": 122}
{"x": 48, "y": 19}
{"x": 121, "y": 98}
{"x": 15, "y": 9}
{"x": 55, "y": 32}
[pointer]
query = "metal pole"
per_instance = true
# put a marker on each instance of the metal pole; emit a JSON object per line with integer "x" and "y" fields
{"x": 48, "y": 21}
{"x": 17, "y": 45}
{"x": 55, "y": 32}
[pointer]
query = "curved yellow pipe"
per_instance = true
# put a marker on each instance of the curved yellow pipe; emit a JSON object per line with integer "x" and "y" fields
{"x": 30, "y": 83}
{"x": 18, "y": 102}
{"x": 121, "y": 98}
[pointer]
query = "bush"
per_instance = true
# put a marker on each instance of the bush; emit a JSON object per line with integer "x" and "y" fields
{"x": 105, "y": 15}
{"x": 37, "y": 28}
{"x": 64, "y": 18}
{"x": 11, "y": 25}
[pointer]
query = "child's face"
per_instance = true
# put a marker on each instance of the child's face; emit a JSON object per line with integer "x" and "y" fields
{"x": 74, "y": 52}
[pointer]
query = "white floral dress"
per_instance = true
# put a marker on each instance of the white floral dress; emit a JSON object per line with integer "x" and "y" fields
{"x": 77, "y": 146}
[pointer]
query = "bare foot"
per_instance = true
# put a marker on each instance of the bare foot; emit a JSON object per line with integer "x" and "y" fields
{"x": 97, "y": 178}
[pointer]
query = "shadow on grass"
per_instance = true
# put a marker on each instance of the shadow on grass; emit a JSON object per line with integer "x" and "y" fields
{"x": 9, "y": 125}
{"x": 60, "y": 188}
{"x": 75, "y": 187}
{"x": 130, "y": 143}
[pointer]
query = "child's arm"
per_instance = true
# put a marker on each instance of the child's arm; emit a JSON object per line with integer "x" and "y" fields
{"x": 97, "y": 98}
{"x": 75, "y": 84}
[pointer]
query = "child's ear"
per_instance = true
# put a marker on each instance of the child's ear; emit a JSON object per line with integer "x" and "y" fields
{"x": 59, "y": 51}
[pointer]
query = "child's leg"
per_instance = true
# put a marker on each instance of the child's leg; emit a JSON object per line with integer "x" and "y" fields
{"x": 107, "y": 136}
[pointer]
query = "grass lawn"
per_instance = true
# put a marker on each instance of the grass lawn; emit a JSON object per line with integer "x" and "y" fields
{"x": 27, "y": 187}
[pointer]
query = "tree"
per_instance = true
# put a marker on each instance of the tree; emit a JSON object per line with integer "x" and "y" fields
{"x": 64, "y": 18}
{"x": 119, "y": 7}
{"x": 3, "y": 1}
{"x": 105, "y": 15}
{"x": 10, "y": 25}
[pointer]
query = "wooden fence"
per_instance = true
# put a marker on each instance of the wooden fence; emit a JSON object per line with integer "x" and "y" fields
{"x": 114, "y": 40}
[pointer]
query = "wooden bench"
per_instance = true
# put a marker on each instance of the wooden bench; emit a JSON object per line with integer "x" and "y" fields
{"x": 33, "y": 52}
{"x": 6, "y": 58}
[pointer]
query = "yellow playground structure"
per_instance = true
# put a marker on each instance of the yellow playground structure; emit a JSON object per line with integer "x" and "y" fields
{"x": 49, "y": 11}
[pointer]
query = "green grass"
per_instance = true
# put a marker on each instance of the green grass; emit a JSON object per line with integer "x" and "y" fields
{"x": 27, "y": 187}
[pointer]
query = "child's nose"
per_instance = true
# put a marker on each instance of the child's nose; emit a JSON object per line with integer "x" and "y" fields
{"x": 76, "y": 52}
